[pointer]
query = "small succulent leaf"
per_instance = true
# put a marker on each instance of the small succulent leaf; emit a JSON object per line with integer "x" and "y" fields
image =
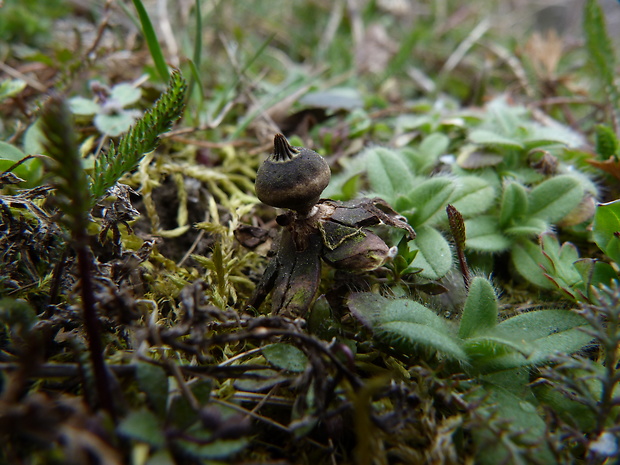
{"x": 490, "y": 138}
{"x": 125, "y": 93}
{"x": 528, "y": 227}
{"x": 606, "y": 229}
{"x": 480, "y": 310}
{"x": 554, "y": 198}
{"x": 434, "y": 255}
{"x": 548, "y": 331}
{"x": 561, "y": 259}
{"x": 412, "y": 337}
{"x": 483, "y": 235}
{"x": 285, "y": 357}
{"x": 83, "y": 106}
{"x": 430, "y": 199}
{"x": 514, "y": 203}
{"x": 153, "y": 381}
{"x": 594, "y": 273}
{"x": 143, "y": 426}
{"x": 472, "y": 196}
{"x": 388, "y": 173}
{"x": 527, "y": 258}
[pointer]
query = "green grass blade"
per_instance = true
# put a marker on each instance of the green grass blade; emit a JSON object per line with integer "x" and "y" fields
{"x": 194, "y": 63}
{"x": 601, "y": 51}
{"x": 195, "y": 79}
{"x": 198, "y": 38}
{"x": 151, "y": 41}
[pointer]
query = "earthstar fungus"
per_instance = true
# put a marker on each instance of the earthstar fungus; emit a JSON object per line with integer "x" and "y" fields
{"x": 315, "y": 229}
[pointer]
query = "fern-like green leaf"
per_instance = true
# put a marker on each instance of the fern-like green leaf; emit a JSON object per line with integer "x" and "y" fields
{"x": 142, "y": 137}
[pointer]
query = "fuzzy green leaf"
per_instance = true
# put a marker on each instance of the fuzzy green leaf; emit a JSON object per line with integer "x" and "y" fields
{"x": 514, "y": 203}
{"x": 430, "y": 199}
{"x": 483, "y": 235}
{"x": 495, "y": 350}
{"x": 412, "y": 326}
{"x": 472, "y": 196}
{"x": 606, "y": 229}
{"x": 405, "y": 324}
{"x": 425, "y": 156}
{"x": 607, "y": 144}
{"x": 527, "y": 227}
{"x": 548, "y": 332}
{"x": 286, "y": 357}
{"x": 490, "y": 138}
{"x": 554, "y": 198}
{"x": 142, "y": 137}
{"x": 412, "y": 337}
{"x": 412, "y": 312}
{"x": 433, "y": 256}
{"x": 480, "y": 311}
{"x": 388, "y": 173}
{"x": 526, "y": 258}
